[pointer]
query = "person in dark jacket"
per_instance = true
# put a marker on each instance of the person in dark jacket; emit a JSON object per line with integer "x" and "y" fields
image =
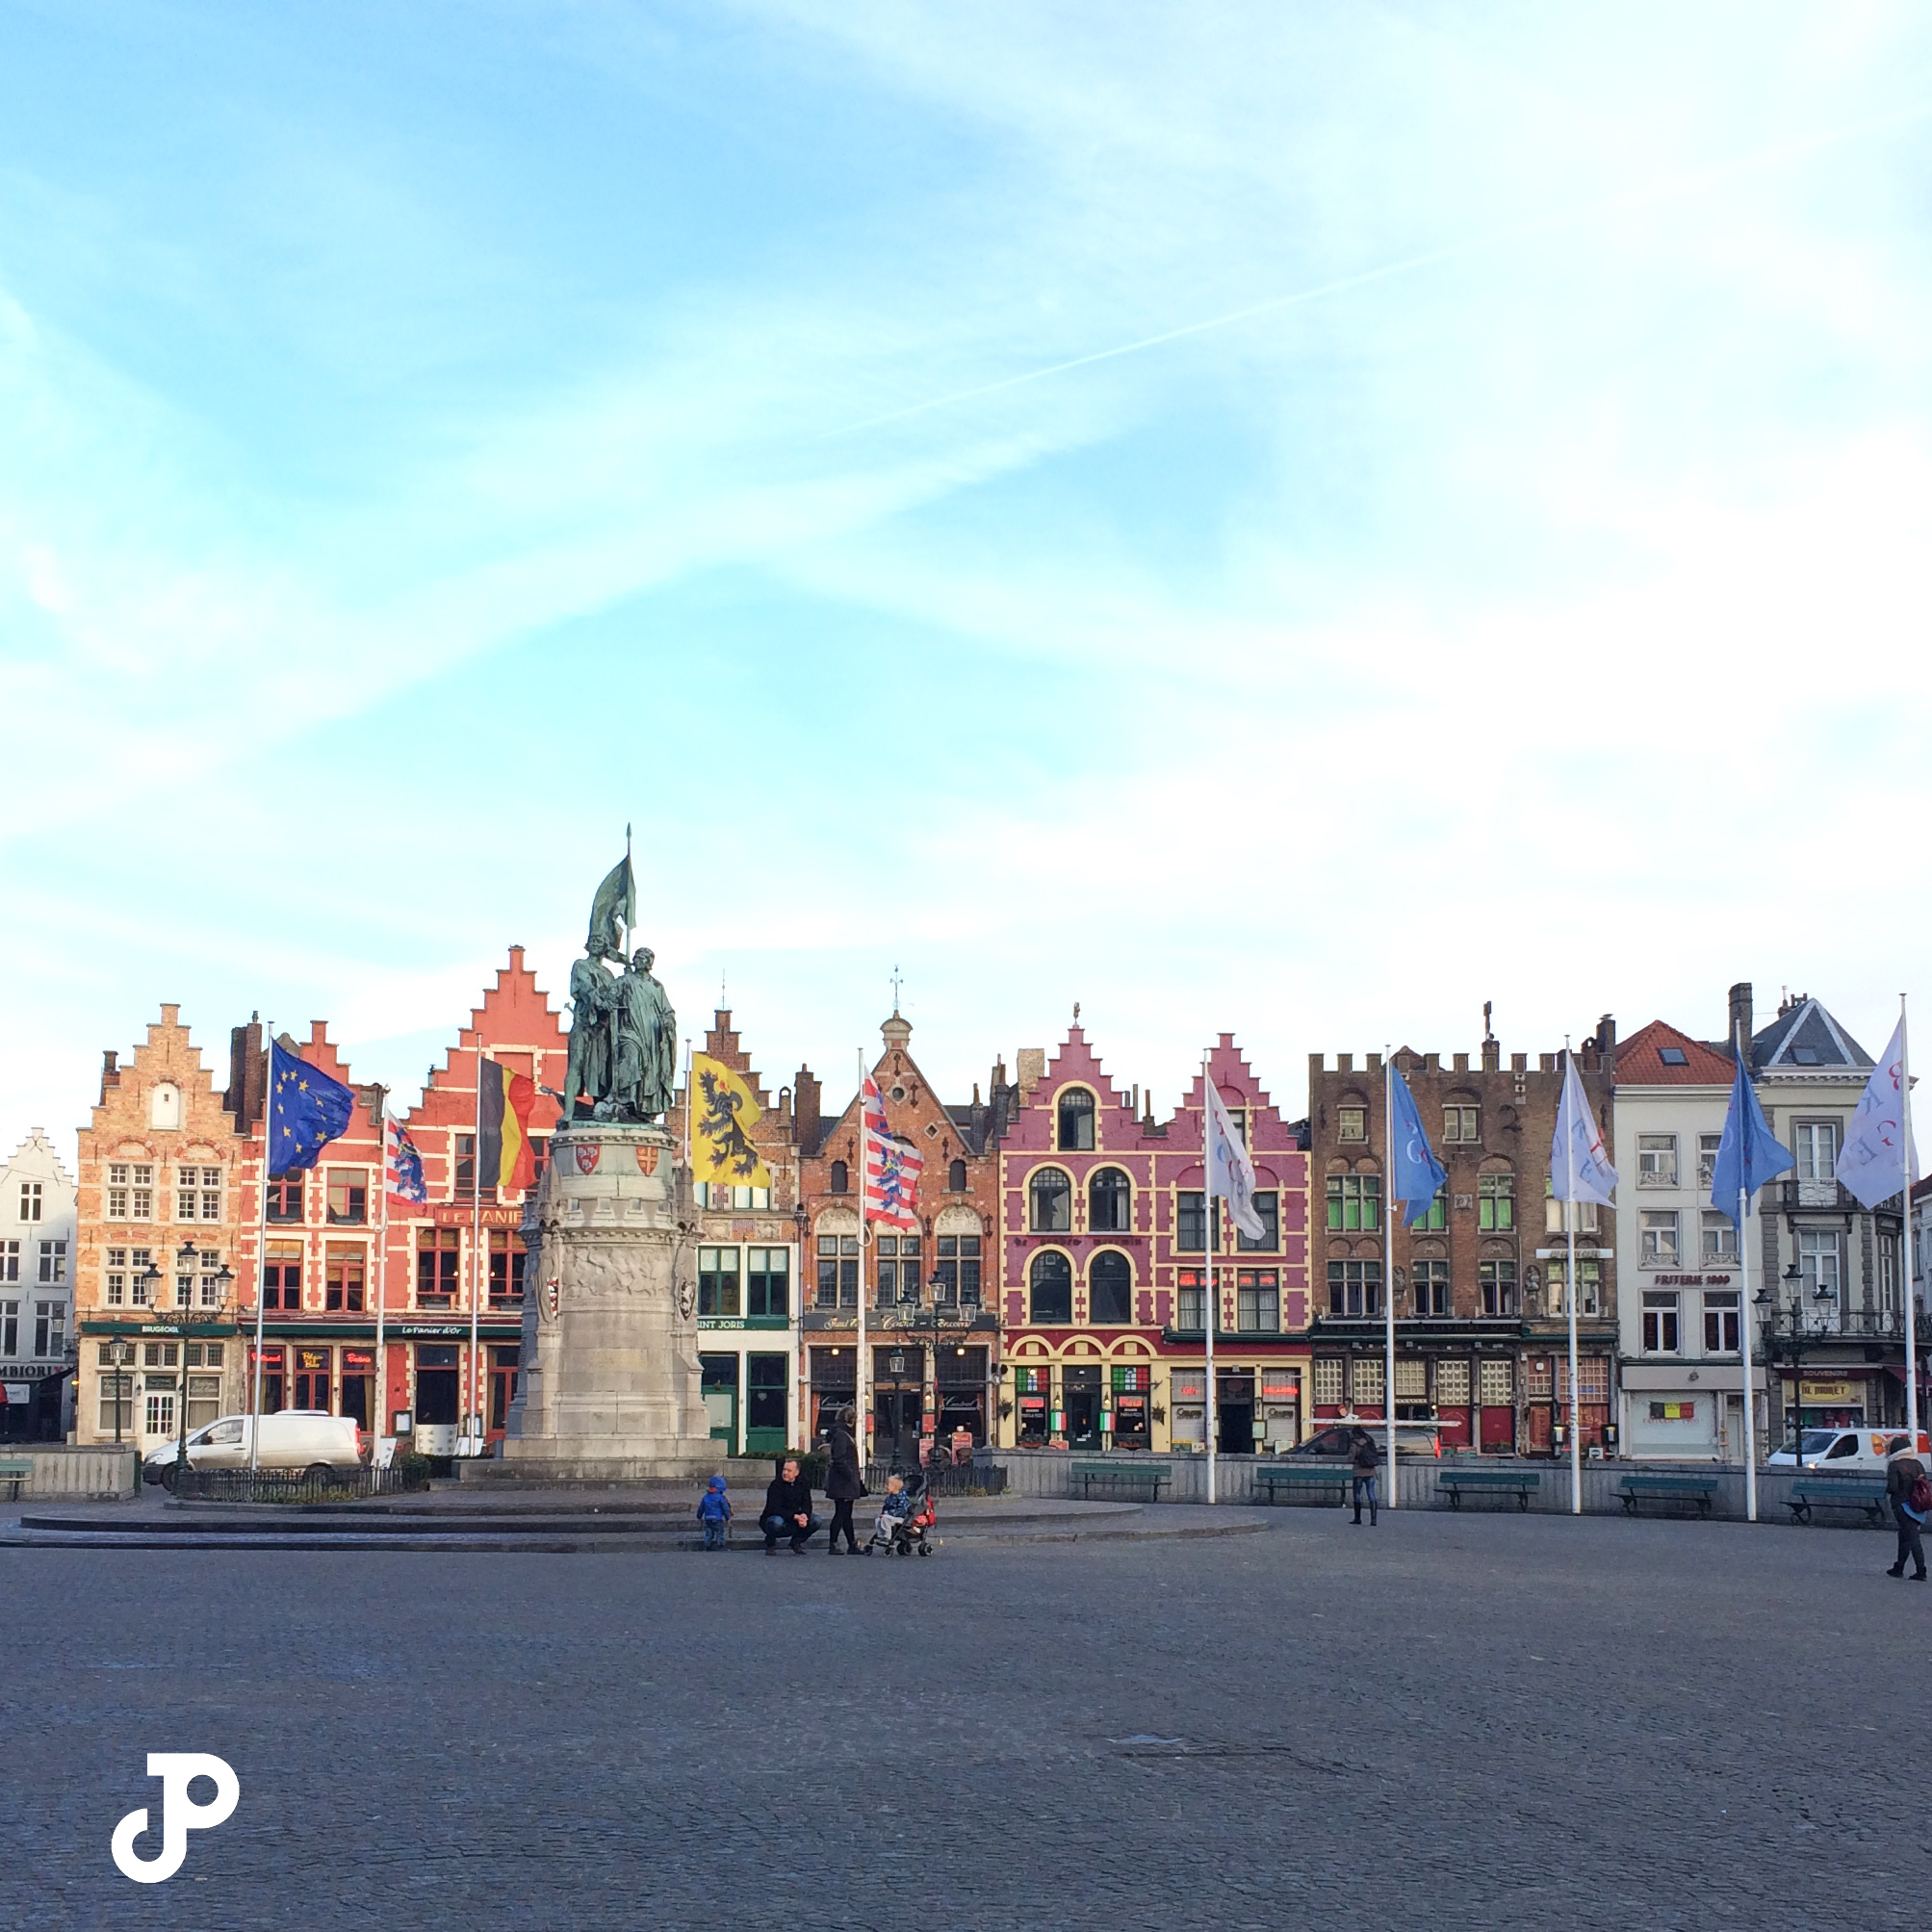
{"x": 787, "y": 1509}
{"x": 844, "y": 1483}
{"x": 1364, "y": 1459}
{"x": 1902, "y": 1477}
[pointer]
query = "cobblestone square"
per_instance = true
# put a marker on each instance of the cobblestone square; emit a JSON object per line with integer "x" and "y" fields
{"x": 1480, "y": 1720}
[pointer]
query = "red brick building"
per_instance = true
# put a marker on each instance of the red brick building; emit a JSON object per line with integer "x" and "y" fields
{"x": 931, "y": 1316}
{"x": 1482, "y": 1321}
{"x": 1105, "y": 1240}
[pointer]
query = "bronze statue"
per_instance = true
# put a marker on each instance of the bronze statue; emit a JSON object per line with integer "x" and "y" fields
{"x": 623, "y": 1033}
{"x": 645, "y": 1072}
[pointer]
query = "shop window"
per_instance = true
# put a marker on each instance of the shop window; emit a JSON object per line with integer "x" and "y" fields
{"x": 1495, "y": 1385}
{"x": 1257, "y": 1302}
{"x": 837, "y": 1284}
{"x": 1050, "y": 1282}
{"x": 766, "y": 1402}
{"x": 1326, "y": 1379}
{"x": 282, "y": 1277}
{"x": 358, "y": 1386}
{"x": 1497, "y": 1282}
{"x": 1354, "y": 1288}
{"x": 343, "y": 1280}
{"x": 959, "y": 1260}
{"x": 439, "y": 1260}
{"x": 1452, "y": 1382}
{"x": 719, "y": 1287}
{"x": 347, "y": 1196}
{"x": 1075, "y": 1121}
{"x": 1365, "y": 1380}
{"x": 1354, "y": 1203}
{"x": 1110, "y": 1202}
{"x": 313, "y": 1379}
{"x": 1110, "y": 1290}
{"x": 1412, "y": 1378}
{"x": 767, "y": 1283}
{"x": 1051, "y": 1197}
{"x": 1267, "y": 1207}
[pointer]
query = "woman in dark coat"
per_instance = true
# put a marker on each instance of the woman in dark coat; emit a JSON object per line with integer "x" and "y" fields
{"x": 844, "y": 1484}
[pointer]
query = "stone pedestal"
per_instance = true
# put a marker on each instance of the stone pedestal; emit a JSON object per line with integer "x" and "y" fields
{"x": 610, "y": 1386}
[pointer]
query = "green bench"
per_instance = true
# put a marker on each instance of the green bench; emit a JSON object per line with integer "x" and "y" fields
{"x": 1838, "y": 1493}
{"x": 1522, "y": 1483}
{"x": 1119, "y": 1476}
{"x": 1305, "y": 1480}
{"x": 1697, "y": 1489}
{"x": 15, "y": 1471}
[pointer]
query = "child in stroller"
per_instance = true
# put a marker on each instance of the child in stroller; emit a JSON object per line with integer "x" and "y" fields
{"x": 905, "y": 1517}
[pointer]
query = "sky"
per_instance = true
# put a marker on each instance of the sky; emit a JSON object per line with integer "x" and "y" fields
{"x": 1275, "y": 518}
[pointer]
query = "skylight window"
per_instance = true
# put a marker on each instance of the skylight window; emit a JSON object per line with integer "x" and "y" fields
{"x": 1805, "y": 1056}
{"x": 1675, "y": 1056}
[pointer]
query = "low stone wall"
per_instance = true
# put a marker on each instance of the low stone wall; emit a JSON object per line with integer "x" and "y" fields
{"x": 63, "y": 1471}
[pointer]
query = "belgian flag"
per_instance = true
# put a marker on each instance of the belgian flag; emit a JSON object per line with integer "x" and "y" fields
{"x": 505, "y": 1157}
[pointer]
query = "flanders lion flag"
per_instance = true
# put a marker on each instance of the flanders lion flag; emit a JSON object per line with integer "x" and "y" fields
{"x": 724, "y": 1110}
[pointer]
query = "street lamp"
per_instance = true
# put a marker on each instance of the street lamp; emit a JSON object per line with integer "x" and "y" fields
{"x": 223, "y": 1277}
{"x": 1782, "y": 1348}
{"x": 122, "y": 1351}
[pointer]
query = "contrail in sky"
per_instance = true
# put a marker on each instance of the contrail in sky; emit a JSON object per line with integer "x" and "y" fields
{"x": 1542, "y": 224}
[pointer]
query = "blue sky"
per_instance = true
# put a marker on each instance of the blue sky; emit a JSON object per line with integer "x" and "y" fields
{"x": 1277, "y": 518}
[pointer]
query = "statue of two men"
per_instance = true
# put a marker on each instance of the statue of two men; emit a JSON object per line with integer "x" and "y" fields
{"x": 623, "y": 1036}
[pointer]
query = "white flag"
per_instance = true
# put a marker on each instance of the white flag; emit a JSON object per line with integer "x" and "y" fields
{"x": 1580, "y": 1168}
{"x": 1231, "y": 1174}
{"x": 1878, "y": 1144}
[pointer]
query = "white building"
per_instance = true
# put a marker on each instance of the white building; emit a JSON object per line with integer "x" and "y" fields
{"x": 1682, "y": 1307}
{"x": 37, "y": 1291}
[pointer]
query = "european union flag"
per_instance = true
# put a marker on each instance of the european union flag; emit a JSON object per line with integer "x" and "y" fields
{"x": 1749, "y": 1154}
{"x": 306, "y": 1111}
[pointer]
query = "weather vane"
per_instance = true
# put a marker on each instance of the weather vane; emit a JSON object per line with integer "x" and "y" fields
{"x": 895, "y": 989}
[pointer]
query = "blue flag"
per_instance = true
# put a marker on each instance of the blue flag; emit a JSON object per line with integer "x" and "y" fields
{"x": 1749, "y": 1154}
{"x": 1415, "y": 1174}
{"x": 306, "y": 1111}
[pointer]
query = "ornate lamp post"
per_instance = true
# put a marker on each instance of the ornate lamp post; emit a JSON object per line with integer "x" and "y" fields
{"x": 185, "y": 1261}
{"x": 1790, "y": 1346}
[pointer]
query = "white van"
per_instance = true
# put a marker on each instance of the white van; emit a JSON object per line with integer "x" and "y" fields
{"x": 1863, "y": 1452}
{"x": 292, "y": 1439}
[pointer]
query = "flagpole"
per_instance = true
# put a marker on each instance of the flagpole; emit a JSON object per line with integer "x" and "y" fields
{"x": 1570, "y": 1285}
{"x": 861, "y": 1380}
{"x": 1210, "y": 1302}
{"x": 477, "y": 1259}
{"x": 380, "y": 1415}
{"x": 1905, "y": 1231}
{"x": 261, "y": 1242}
{"x": 1388, "y": 1257}
{"x": 1744, "y": 1293}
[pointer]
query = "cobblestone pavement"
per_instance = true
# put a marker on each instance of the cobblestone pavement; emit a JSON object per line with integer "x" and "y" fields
{"x": 1484, "y": 1720}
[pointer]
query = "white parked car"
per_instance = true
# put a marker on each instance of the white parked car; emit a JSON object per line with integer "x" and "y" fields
{"x": 1849, "y": 1451}
{"x": 308, "y": 1439}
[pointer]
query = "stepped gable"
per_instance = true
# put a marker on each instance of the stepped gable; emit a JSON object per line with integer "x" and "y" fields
{"x": 1640, "y": 1062}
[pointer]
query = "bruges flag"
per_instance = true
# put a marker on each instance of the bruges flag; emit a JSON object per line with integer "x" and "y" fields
{"x": 505, "y": 1157}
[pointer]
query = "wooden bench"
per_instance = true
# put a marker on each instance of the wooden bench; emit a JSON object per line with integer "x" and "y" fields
{"x": 1697, "y": 1489}
{"x": 15, "y": 1471}
{"x": 1522, "y": 1483}
{"x": 1117, "y": 1476}
{"x": 1305, "y": 1480}
{"x": 1838, "y": 1493}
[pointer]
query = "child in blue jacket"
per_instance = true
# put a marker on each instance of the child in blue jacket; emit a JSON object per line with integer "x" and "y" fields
{"x": 714, "y": 1511}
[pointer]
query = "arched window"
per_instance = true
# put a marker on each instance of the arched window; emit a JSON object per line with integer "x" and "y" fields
{"x": 1110, "y": 1289}
{"x": 1051, "y": 1281}
{"x": 840, "y": 1183}
{"x": 1077, "y": 1121}
{"x": 1110, "y": 1202}
{"x": 955, "y": 1178}
{"x": 1052, "y": 1202}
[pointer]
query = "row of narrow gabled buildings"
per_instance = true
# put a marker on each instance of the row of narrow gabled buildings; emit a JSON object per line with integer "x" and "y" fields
{"x": 1057, "y": 1288}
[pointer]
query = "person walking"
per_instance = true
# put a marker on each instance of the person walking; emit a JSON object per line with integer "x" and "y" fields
{"x": 844, "y": 1485}
{"x": 715, "y": 1513}
{"x": 1364, "y": 1459}
{"x": 787, "y": 1509}
{"x": 1910, "y": 1493}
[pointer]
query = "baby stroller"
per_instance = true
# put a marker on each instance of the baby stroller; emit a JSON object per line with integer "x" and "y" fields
{"x": 901, "y": 1535}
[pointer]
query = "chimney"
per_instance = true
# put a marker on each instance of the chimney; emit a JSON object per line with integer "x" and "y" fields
{"x": 1741, "y": 1016}
{"x": 1492, "y": 1055}
{"x": 244, "y": 1096}
{"x": 1606, "y": 1036}
{"x": 109, "y": 1071}
{"x": 805, "y": 1107}
{"x": 1029, "y": 1069}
